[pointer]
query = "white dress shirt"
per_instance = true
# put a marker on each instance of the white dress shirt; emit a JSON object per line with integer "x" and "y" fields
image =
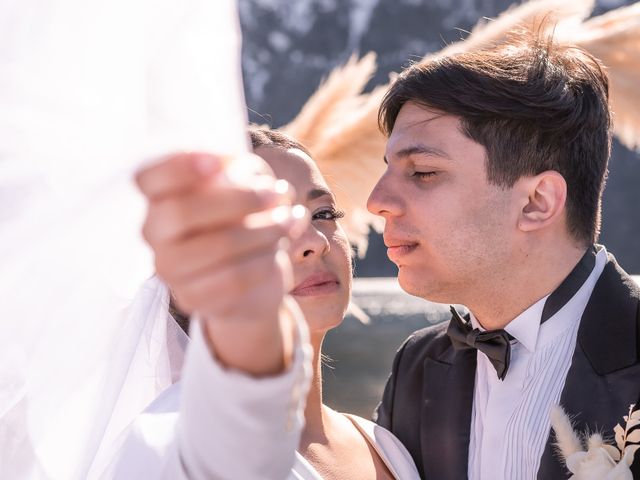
{"x": 510, "y": 419}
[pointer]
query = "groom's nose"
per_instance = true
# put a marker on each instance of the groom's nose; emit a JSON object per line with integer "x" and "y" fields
{"x": 383, "y": 200}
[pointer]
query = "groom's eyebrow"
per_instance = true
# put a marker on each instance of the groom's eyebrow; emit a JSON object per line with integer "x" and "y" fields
{"x": 418, "y": 149}
{"x": 421, "y": 149}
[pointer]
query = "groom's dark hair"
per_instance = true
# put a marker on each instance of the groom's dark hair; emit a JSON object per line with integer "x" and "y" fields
{"x": 534, "y": 105}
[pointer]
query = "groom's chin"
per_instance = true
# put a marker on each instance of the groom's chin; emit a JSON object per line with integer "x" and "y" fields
{"x": 411, "y": 282}
{"x": 419, "y": 284}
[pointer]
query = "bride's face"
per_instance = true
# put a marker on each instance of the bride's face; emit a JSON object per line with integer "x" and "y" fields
{"x": 321, "y": 255}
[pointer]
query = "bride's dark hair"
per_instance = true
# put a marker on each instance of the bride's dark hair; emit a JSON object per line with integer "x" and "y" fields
{"x": 265, "y": 137}
{"x": 181, "y": 318}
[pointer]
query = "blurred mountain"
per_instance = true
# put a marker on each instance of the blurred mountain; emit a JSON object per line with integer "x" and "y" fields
{"x": 290, "y": 45}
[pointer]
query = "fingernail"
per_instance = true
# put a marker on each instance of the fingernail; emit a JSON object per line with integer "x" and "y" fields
{"x": 281, "y": 187}
{"x": 285, "y": 190}
{"x": 284, "y": 243}
{"x": 268, "y": 197}
{"x": 293, "y": 218}
{"x": 299, "y": 220}
{"x": 277, "y": 193}
{"x": 298, "y": 212}
{"x": 206, "y": 164}
{"x": 281, "y": 214}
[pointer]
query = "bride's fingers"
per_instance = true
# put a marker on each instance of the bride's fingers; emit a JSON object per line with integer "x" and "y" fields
{"x": 180, "y": 261}
{"x": 231, "y": 290}
{"x": 179, "y": 216}
{"x": 176, "y": 173}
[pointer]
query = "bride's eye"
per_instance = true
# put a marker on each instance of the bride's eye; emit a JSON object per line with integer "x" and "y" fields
{"x": 327, "y": 214}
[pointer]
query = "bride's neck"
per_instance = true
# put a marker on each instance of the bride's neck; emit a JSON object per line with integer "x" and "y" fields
{"x": 314, "y": 413}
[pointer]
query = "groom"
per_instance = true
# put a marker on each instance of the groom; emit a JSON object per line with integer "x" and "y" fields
{"x": 496, "y": 163}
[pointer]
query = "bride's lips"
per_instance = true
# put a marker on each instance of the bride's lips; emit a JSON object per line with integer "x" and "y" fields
{"x": 321, "y": 283}
{"x": 397, "y": 249}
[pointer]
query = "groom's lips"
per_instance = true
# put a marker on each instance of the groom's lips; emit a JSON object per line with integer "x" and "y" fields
{"x": 398, "y": 249}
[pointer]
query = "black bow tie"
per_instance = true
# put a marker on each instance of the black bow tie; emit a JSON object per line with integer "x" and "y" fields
{"x": 496, "y": 344}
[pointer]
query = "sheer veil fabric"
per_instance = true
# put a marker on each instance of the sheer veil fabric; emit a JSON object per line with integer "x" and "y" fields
{"x": 88, "y": 91}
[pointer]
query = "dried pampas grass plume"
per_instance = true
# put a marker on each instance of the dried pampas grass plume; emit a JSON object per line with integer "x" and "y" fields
{"x": 530, "y": 15}
{"x": 339, "y": 122}
{"x": 567, "y": 441}
{"x": 589, "y": 457}
{"x": 339, "y": 126}
{"x": 614, "y": 38}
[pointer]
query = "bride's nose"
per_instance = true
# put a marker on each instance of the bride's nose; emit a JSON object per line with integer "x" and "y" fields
{"x": 311, "y": 242}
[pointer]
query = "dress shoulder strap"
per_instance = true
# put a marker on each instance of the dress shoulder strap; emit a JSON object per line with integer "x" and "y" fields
{"x": 392, "y": 453}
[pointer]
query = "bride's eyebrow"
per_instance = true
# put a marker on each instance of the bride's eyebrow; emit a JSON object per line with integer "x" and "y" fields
{"x": 317, "y": 193}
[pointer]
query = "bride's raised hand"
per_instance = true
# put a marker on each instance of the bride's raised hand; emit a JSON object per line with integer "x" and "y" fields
{"x": 216, "y": 244}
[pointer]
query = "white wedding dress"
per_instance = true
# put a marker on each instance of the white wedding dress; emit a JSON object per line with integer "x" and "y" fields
{"x": 222, "y": 424}
{"x": 89, "y": 89}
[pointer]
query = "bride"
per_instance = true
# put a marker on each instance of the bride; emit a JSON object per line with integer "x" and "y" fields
{"x": 235, "y": 414}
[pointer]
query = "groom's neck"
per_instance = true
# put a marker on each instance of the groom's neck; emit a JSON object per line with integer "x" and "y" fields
{"x": 536, "y": 273}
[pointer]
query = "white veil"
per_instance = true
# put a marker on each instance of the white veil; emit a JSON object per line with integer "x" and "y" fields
{"x": 89, "y": 89}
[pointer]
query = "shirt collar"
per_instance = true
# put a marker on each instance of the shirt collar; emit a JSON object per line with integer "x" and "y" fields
{"x": 525, "y": 328}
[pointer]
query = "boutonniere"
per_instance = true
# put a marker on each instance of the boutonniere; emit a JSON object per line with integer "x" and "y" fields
{"x": 589, "y": 457}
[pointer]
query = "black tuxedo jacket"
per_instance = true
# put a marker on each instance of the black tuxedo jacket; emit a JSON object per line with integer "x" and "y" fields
{"x": 428, "y": 398}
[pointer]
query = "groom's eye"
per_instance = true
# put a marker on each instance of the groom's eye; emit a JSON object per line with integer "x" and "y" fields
{"x": 424, "y": 174}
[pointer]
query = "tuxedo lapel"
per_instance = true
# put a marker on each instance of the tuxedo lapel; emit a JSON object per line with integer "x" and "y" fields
{"x": 446, "y": 417}
{"x": 603, "y": 378}
{"x": 608, "y": 332}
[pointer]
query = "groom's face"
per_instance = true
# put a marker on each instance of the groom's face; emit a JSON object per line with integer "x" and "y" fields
{"x": 446, "y": 228}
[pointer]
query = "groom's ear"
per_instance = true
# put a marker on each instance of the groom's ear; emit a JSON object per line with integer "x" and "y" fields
{"x": 543, "y": 200}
